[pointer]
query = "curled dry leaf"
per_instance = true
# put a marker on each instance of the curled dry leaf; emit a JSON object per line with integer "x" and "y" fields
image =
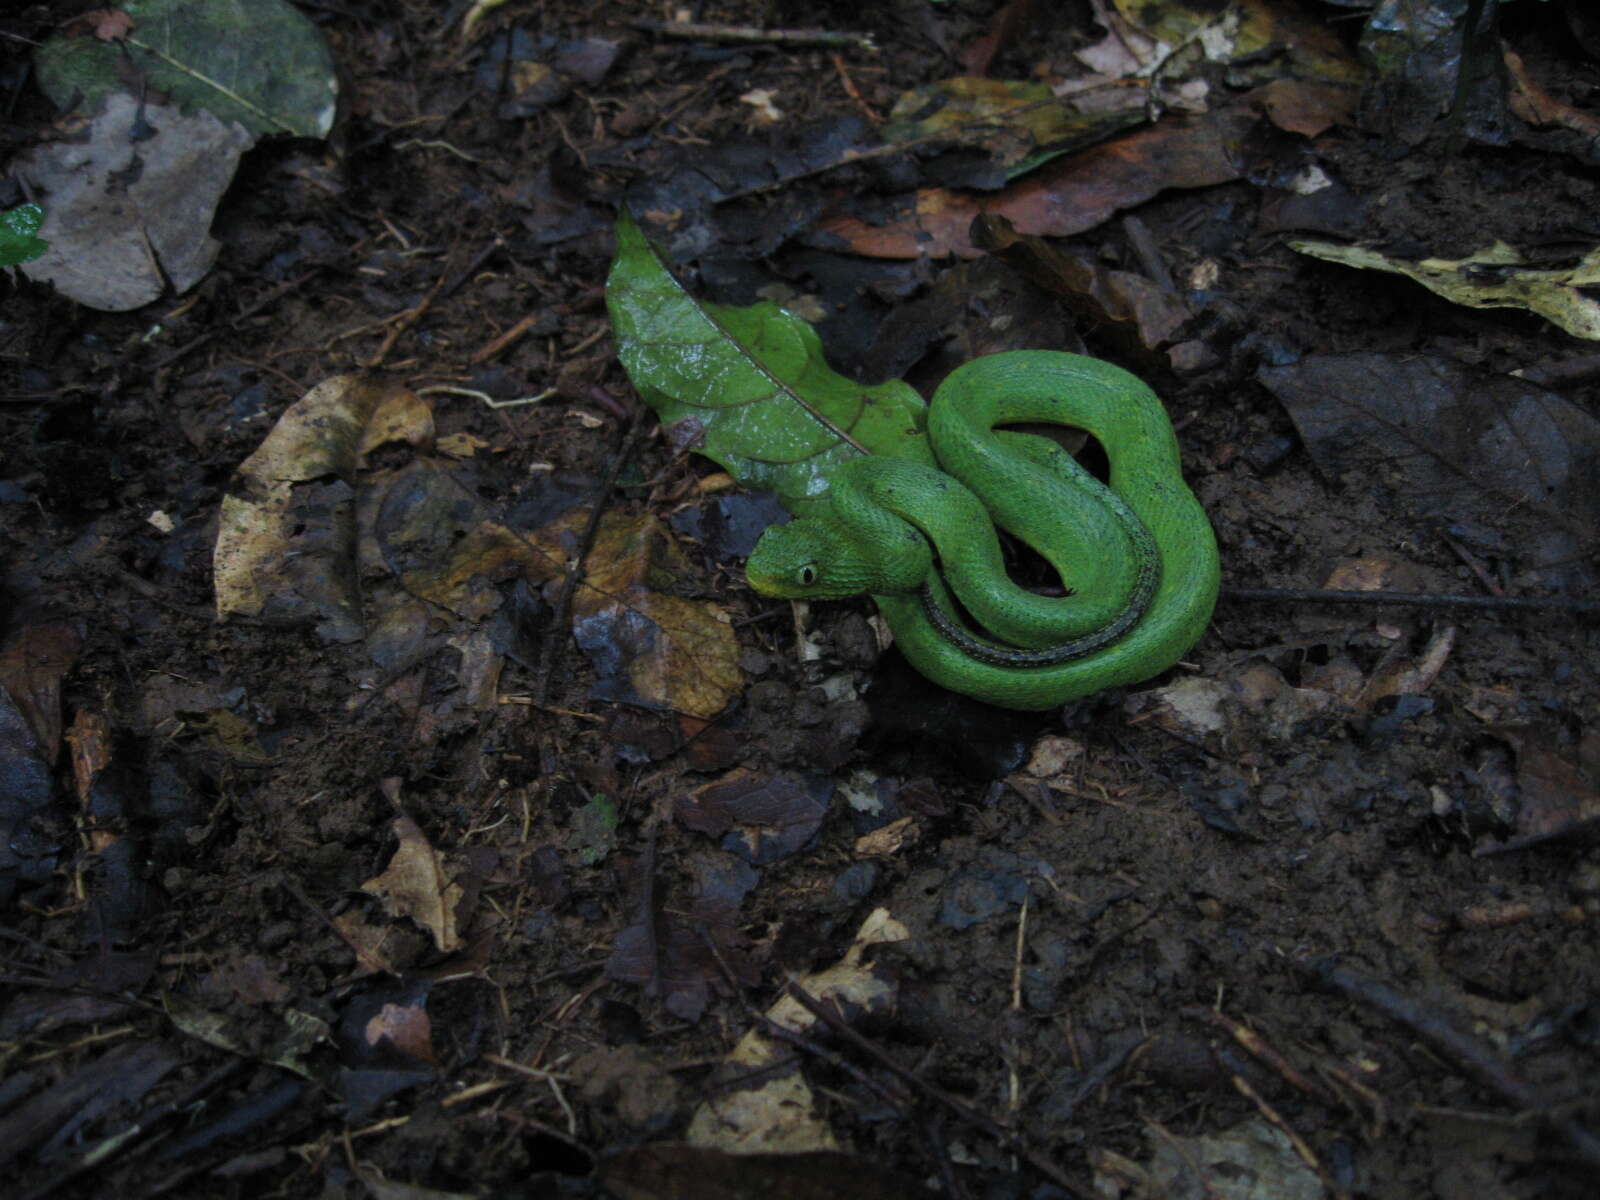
{"x": 415, "y": 885}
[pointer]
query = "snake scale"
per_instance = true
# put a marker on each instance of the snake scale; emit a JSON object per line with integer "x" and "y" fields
{"x": 1138, "y": 556}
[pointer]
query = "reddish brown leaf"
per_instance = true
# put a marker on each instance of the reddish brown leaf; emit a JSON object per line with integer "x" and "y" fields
{"x": 766, "y": 817}
{"x": 32, "y": 665}
{"x": 1555, "y": 797}
{"x": 1069, "y": 196}
{"x": 407, "y": 1028}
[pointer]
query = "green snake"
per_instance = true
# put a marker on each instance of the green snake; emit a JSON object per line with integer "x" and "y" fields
{"x": 1138, "y": 556}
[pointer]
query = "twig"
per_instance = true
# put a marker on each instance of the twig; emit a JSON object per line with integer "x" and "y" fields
{"x": 773, "y": 1029}
{"x": 1002, "y": 1135}
{"x": 1258, "y": 1047}
{"x": 1418, "y": 599}
{"x": 854, "y": 92}
{"x": 498, "y": 343}
{"x": 109, "y": 1147}
{"x": 553, "y": 645}
{"x": 747, "y": 34}
{"x": 1469, "y": 1054}
{"x": 1301, "y": 1146}
{"x": 1096, "y": 1076}
{"x": 478, "y": 259}
{"x": 404, "y": 321}
{"x": 250, "y": 310}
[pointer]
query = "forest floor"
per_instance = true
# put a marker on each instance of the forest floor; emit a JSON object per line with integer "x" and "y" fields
{"x": 425, "y": 871}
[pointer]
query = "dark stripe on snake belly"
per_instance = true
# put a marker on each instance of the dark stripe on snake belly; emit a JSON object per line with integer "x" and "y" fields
{"x": 958, "y": 635}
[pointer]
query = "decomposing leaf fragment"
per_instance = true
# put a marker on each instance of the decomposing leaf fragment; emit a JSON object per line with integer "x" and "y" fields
{"x": 289, "y": 540}
{"x": 1018, "y": 125}
{"x": 33, "y": 661}
{"x": 764, "y": 817}
{"x": 128, "y": 216}
{"x": 775, "y": 1112}
{"x": 1129, "y": 311}
{"x": 1068, "y": 196}
{"x": 1448, "y": 441}
{"x": 1554, "y": 796}
{"x": 416, "y": 885}
{"x": 648, "y": 644}
{"x": 684, "y": 955}
{"x": 1495, "y": 277}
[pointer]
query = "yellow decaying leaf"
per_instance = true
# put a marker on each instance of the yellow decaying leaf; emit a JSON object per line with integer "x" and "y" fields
{"x": 692, "y": 666}
{"x": 414, "y": 885}
{"x": 1494, "y": 277}
{"x": 327, "y": 433}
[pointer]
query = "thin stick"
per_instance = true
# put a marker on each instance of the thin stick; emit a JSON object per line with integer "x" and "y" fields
{"x": 972, "y": 1116}
{"x": 932, "y": 1145}
{"x": 552, "y": 649}
{"x": 1469, "y": 1055}
{"x": 1418, "y": 599}
{"x": 695, "y": 31}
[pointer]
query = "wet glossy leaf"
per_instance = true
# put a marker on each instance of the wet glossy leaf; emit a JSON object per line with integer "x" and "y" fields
{"x": 17, "y": 227}
{"x": 748, "y": 387}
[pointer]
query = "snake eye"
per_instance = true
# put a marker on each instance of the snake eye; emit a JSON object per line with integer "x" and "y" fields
{"x": 807, "y": 575}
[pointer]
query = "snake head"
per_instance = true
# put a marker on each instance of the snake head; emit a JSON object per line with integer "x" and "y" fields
{"x": 821, "y": 558}
{"x": 804, "y": 560}
{"x": 789, "y": 561}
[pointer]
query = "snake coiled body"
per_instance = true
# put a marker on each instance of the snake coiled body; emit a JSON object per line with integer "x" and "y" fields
{"x": 1138, "y": 557}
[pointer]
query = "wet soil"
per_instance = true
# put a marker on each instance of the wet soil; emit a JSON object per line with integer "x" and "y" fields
{"x": 1329, "y": 883}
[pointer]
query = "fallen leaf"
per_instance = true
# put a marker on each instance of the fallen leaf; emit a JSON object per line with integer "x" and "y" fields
{"x": 415, "y": 885}
{"x": 373, "y": 945}
{"x": 287, "y": 544}
{"x": 33, "y": 662}
{"x": 1070, "y": 195}
{"x": 1130, "y": 312}
{"x": 250, "y": 978}
{"x": 1494, "y": 277}
{"x": 126, "y": 215}
{"x": 1016, "y": 125}
{"x": 649, "y": 645}
{"x": 1535, "y": 105}
{"x": 1554, "y": 797}
{"x": 1255, "y": 1157}
{"x": 765, "y": 817}
{"x": 776, "y": 1112}
{"x": 1448, "y": 441}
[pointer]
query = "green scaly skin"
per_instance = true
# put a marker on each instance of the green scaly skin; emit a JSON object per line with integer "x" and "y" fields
{"x": 1141, "y": 558}
{"x": 887, "y": 517}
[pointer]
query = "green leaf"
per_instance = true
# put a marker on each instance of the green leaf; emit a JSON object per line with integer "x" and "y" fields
{"x": 749, "y": 386}
{"x": 17, "y": 227}
{"x": 258, "y": 62}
